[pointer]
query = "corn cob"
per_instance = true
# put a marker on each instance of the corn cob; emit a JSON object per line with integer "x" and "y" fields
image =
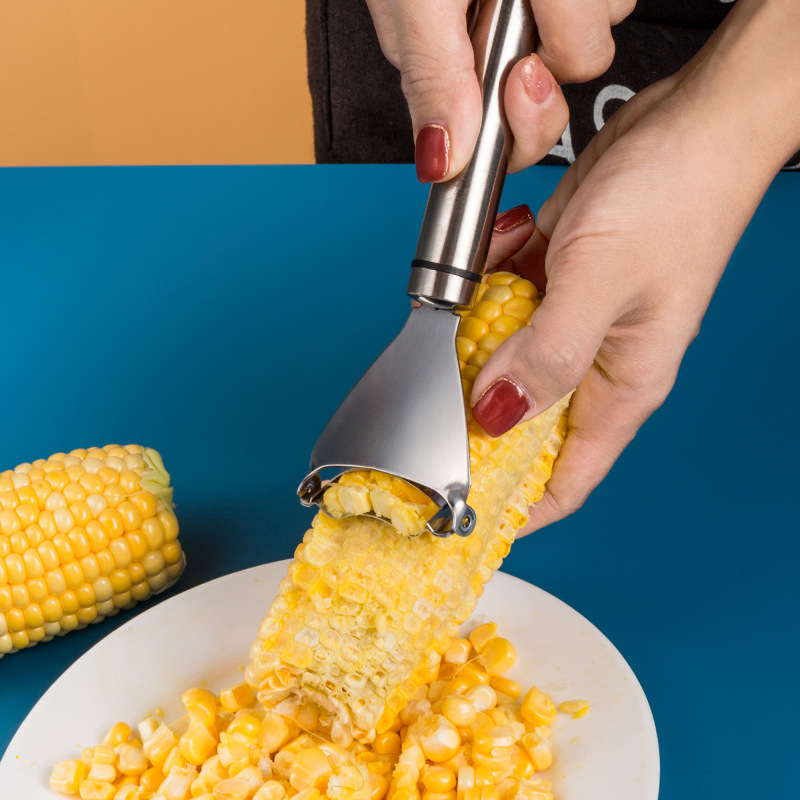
{"x": 364, "y": 614}
{"x": 82, "y": 535}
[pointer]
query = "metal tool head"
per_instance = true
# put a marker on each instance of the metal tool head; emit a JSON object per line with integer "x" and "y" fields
{"x": 406, "y": 417}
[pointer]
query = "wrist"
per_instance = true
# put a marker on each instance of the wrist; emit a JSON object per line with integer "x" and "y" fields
{"x": 744, "y": 86}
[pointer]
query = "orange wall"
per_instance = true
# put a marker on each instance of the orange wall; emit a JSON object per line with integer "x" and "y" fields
{"x": 153, "y": 82}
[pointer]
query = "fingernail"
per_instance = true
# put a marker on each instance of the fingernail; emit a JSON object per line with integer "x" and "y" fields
{"x": 512, "y": 218}
{"x": 500, "y": 407}
{"x": 432, "y": 154}
{"x": 537, "y": 80}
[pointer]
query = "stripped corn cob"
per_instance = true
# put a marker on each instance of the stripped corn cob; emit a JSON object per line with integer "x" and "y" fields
{"x": 457, "y": 738}
{"x": 365, "y": 614}
{"x": 82, "y": 535}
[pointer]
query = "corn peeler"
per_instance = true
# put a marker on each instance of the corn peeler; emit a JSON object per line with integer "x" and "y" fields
{"x": 406, "y": 415}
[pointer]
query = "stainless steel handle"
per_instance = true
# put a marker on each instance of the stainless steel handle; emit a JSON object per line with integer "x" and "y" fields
{"x": 457, "y": 226}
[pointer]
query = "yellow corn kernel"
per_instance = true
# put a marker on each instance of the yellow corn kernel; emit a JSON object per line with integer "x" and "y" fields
{"x": 245, "y": 722}
{"x": 499, "y": 278}
{"x": 500, "y": 293}
{"x": 387, "y": 743}
{"x": 473, "y": 328}
{"x": 310, "y": 769}
{"x": 474, "y": 673}
{"x": 577, "y": 708}
{"x": 234, "y": 698}
{"x": 451, "y": 795}
{"x": 538, "y": 749}
{"x": 506, "y": 686}
{"x": 465, "y": 781}
{"x": 104, "y": 754}
{"x": 96, "y": 790}
{"x": 67, "y": 775}
{"x": 270, "y": 790}
{"x": 158, "y": 745}
{"x": 378, "y": 786}
{"x": 147, "y": 726}
{"x": 439, "y": 738}
{"x": 482, "y": 697}
{"x": 102, "y": 773}
{"x": 459, "y": 710}
{"x": 273, "y": 733}
{"x": 130, "y": 759}
{"x": 201, "y": 705}
{"x": 438, "y": 779}
{"x": 177, "y": 784}
{"x": 493, "y": 740}
{"x": 537, "y": 707}
{"x": 197, "y": 743}
{"x": 458, "y": 651}
{"x": 499, "y": 655}
{"x": 521, "y": 763}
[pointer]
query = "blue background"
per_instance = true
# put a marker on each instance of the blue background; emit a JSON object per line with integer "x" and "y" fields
{"x": 219, "y": 314}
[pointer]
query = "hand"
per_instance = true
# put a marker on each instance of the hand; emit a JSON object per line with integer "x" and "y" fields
{"x": 630, "y": 248}
{"x": 428, "y": 42}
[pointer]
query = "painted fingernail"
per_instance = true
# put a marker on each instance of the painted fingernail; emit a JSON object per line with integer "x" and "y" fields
{"x": 500, "y": 407}
{"x": 432, "y": 155}
{"x": 512, "y": 218}
{"x": 537, "y": 80}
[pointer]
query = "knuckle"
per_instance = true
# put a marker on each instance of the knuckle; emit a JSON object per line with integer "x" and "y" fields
{"x": 580, "y": 64}
{"x": 566, "y": 363}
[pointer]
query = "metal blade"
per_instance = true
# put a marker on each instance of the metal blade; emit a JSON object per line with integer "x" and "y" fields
{"x": 406, "y": 417}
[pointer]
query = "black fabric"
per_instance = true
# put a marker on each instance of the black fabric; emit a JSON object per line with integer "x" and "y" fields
{"x": 360, "y": 114}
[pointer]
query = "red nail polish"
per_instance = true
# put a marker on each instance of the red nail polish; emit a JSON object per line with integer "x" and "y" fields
{"x": 432, "y": 154}
{"x": 537, "y": 80}
{"x": 500, "y": 407}
{"x": 512, "y": 218}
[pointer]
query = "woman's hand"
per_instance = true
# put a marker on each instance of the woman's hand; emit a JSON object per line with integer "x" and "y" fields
{"x": 427, "y": 41}
{"x": 633, "y": 242}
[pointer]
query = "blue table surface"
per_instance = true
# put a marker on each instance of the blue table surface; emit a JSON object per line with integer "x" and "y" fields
{"x": 219, "y": 314}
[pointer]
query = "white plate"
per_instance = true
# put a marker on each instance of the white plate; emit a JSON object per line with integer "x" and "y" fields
{"x": 202, "y": 637}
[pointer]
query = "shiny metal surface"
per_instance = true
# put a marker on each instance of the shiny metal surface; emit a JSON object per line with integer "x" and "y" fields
{"x": 405, "y": 417}
{"x": 458, "y": 220}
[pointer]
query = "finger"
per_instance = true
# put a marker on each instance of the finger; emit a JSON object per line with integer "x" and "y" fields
{"x": 547, "y": 359}
{"x": 574, "y": 38}
{"x": 601, "y": 425}
{"x": 437, "y": 66}
{"x": 511, "y": 231}
{"x": 383, "y": 20}
{"x": 618, "y": 10}
{"x": 536, "y": 110}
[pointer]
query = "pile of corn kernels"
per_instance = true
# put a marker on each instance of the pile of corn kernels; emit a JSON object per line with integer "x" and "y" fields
{"x": 470, "y": 734}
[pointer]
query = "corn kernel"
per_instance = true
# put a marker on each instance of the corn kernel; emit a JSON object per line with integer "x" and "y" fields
{"x": 482, "y": 697}
{"x": 387, "y": 743}
{"x": 459, "y": 710}
{"x": 458, "y": 652}
{"x": 237, "y": 697}
{"x": 439, "y": 738}
{"x": 66, "y": 776}
{"x": 499, "y": 655}
{"x": 438, "y": 779}
{"x": 537, "y": 707}
{"x": 577, "y": 708}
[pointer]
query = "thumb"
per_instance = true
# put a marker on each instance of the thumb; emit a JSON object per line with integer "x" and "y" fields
{"x": 437, "y": 67}
{"x": 542, "y": 362}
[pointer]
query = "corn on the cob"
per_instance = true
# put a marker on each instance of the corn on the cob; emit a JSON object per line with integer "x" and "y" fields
{"x": 365, "y": 614}
{"x": 82, "y": 535}
{"x": 445, "y": 745}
